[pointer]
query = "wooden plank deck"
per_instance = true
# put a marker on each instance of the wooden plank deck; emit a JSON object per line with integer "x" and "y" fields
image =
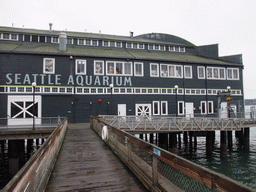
{"x": 85, "y": 163}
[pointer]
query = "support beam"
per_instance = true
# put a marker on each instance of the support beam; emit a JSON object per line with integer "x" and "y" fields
{"x": 223, "y": 143}
{"x": 230, "y": 140}
{"x": 247, "y": 139}
{"x": 209, "y": 142}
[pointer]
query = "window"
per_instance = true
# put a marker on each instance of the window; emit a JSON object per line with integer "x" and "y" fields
{"x": 106, "y": 44}
{"x": 172, "y": 48}
{"x": 141, "y": 46}
{"x": 164, "y": 108}
{"x": 69, "y": 41}
{"x": 215, "y": 73}
{"x": 26, "y": 38}
{"x": 232, "y": 74}
{"x": 180, "y": 107}
{"x": 42, "y": 39}
{"x": 94, "y": 42}
{"x": 156, "y": 108}
{"x": 98, "y": 67}
{"x": 55, "y": 39}
{"x": 135, "y": 45}
{"x": 87, "y": 42}
{"x": 168, "y": 70}
{"x": 138, "y": 69}
{"x": 6, "y": 36}
{"x": 188, "y": 72}
{"x": 119, "y": 68}
{"x": 14, "y": 36}
{"x": 34, "y": 38}
{"x": 182, "y": 49}
{"x": 207, "y": 108}
{"x": 154, "y": 70}
{"x": 128, "y": 45}
{"x": 49, "y": 65}
{"x": 162, "y": 48}
{"x": 80, "y": 41}
{"x": 150, "y": 47}
{"x": 80, "y": 67}
{"x": 118, "y": 44}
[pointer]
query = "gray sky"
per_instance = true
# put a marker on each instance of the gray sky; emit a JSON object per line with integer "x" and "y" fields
{"x": 230, "y": 23}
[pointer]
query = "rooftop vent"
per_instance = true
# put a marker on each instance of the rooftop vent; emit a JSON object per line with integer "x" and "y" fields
{"x": 50, "y": 26}
{"x": 131, "y": 34}
{"x": 63, "y": 41}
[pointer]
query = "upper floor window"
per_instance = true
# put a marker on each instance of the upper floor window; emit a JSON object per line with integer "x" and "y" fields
{"x": 188, "y": 72}
{"x": 215, "y": 73}
{"x": 80, "y": 67}
{"x": 119, "y": 68}
{"x": 42, "y": 39}
{"x": 138, "y": 69}
{"x": 128, "y": 45}
{"x": 88, "y": 42}
{"x": 207, "y": 107}
{"x": 98, "y": 67}
{"x": 70, "y": 41}
{"x": 106, "y": 44}
{"x": 9, "y": 36}
{"x": 232, "y": 73}
{"x": 55, "y": 39}
{"x": 49, "y": 65}
{"x": 168, "y": 70}
{"x": 154, "y": 70}
{"x": 118, "y": 44}
{"x": 201, "y": 72}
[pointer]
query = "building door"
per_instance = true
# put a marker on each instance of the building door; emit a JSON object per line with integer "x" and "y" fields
{"x": 20, "y": 110}
{"x": 224, "y": 110}
{"x": 143, "y": 109}
{"x": 189, "y": 109}
{"x": 121, "y": 109}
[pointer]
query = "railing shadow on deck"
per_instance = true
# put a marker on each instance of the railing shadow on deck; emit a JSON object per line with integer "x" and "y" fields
{"x": 158, "y": 169}
{"x": 34, "y": 175}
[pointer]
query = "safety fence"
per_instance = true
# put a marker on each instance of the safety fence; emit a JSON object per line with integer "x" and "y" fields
{"x": 158, "y": 169}
{"x": 165, "y": 123}
{"x": 35, "y": 174}
{"x": 41, "y": 122}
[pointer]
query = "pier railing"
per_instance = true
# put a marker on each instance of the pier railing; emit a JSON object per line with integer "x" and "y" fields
{"x": 158, "y": 169}
{"x": 166, "y": 123}
{"x": 34, "y": 175}
{"x": 41, "y": 122}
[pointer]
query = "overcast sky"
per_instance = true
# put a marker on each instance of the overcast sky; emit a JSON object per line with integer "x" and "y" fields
{"x": 229, "y": 23}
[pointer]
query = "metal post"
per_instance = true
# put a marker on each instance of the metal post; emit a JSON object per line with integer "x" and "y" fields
{"x": 34, "y": 86}
{"x": 111, "y": 88}
{"x": 176, "y": 90}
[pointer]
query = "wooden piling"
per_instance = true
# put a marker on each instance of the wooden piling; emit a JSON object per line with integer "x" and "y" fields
{"x": 223, "y": 143}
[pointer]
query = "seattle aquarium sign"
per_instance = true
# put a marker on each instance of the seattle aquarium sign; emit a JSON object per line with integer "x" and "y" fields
{"x": 77, "y": 80}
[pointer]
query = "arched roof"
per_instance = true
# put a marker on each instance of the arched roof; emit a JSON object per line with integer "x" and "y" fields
{"x": 166, "y": 38}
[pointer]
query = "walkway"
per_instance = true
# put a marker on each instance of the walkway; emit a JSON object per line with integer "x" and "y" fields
{"x": 85, "y": 163}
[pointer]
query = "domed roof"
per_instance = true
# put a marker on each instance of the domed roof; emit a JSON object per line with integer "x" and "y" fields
{"x": 166, "y": 37}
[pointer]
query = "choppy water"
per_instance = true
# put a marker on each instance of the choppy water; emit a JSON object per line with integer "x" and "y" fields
{"x": 238, "y": 165}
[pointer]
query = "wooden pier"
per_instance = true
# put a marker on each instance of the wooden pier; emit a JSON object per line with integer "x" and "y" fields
{"x": 85, "y": 163}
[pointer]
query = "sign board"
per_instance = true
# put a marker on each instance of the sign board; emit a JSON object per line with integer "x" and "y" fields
{"x": 157, "y": 152}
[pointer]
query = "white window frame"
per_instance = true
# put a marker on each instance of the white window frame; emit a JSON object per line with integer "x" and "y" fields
{"x": 218, "y": 73}
{"x": 166, "y": 104}
{"x": 191, "y": 74}
{"x": 45, "y": 67}
{"x": 158, "y": 107}
{"x": 116, "y": 43}
{"x": 198, "y": 72}
{"x": 107, "y": 43}
{"x": 157, "y": 70}
{"x": 181, "y": 111}
{"x": 205, "y": 107}
{"x": 72, "y": 41}
{"x": 142, "y": 69}
{"x": 139, "y": 46}
{"x": 151, "y": 47}
{"x": 182, "y": 49}
{"x": 80, "y": 60}
{"x": 95, "y": 40}
{"x": 95, "y": 67}
{"x": 53, "y": 39}
{"x": 172, "y": 48}
{"x": 123, "y": 73}
{"x": 232, "y": 73}
{"x": 175, "y": 70}
{"x": 130, "y": 44}
{"x": 80, "y": 43}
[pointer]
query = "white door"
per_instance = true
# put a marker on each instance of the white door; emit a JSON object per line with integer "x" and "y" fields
{"x": 122, "y": 110}
{"x": 224, "y": 110}
{"x": 21, "y": 110}
{"x": 189, "y": 109}
{"x": 143, "y": 109}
